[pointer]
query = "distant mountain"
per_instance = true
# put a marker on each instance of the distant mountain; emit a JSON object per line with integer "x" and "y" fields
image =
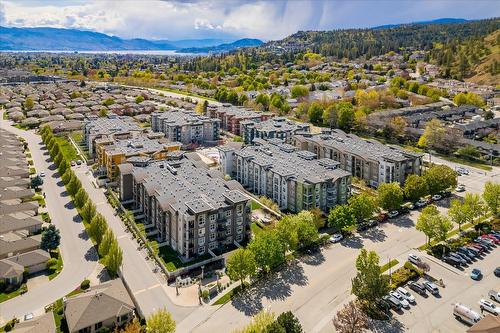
{"x": 245, "y": 42}
{"x": 445, "y": 20}
{"x": 55, "y": 39}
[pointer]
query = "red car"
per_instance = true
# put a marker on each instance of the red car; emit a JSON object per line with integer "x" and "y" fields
{"x": 492, "y": 238}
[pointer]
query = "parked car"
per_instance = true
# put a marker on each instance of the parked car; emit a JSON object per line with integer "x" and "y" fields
{"x": 421, "y": 203}
{"x": 465, "y": 314}
{"x": 489, "y": 306}
{"x": 494, "y": 295}
{"x": 462, "y": 171}
{"x": 78, "y": 162}
{"x": 406, "y": 294}
{"x": 395, "y": 304}
{"x": 382, "y": 217}
{"x": 466, "y": 251}
{"x": 401, "y": 299}
{"x": 497, "y": 272}
{"x": 335, "y": 238}
{"x": 480, "y": 247}
{"x": 436, "y": 197}
{"x": 403, "y": 210}
{"x": 362, "y": 227}
{"x": 493, "y": 239}
{"x": 473, "y": 250}
{"x": 461, "y": 260}
{"x": 417, "y": 287}
{"x": 393, "y": 214}
{"x": 372, "y": 223}
{"x": 414, "y": 259}
{"x": 431, "y": 287}
{"x": 383, "y": 305}
{"x": 460, "y": 188}
{"x": 486, "y": 242}
{"x": 451, "y": 260}
{"x": 476, "y": 274}
{"x": 445, "y": 194}
{"x": 73, "y": 163}
{"x": 409, "y": 206}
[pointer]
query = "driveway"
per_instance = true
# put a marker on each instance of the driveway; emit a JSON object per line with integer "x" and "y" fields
{"x": 78, "y": 252}
{"x": 146, "y": 286}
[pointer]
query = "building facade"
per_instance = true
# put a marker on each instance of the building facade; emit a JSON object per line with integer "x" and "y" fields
{"x": 193, "y": 209}
{"x": 231, "y": 116}
{"x": 275, "y": 128}
{"x": 294, "y": 179}
{"x": 369, "y": 160}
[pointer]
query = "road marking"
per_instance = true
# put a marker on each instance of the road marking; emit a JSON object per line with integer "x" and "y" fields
{"x": 146, "y": 289}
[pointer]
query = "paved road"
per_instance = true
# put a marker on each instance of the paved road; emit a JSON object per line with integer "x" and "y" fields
{"x": 79, "y": 256}
{"x": 315, "y": 287}
{"x": 147, "y": 287}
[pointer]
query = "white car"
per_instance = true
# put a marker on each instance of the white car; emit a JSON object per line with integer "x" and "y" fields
{"x": 42, "y": 174}
{"x": 436, "y": 197}
{"x": 414, "y": 259}
{"x": 406, "y": 294}
{"x": 393, "y": 214}
{"x": 401, "y": 299}
{"x": 494, "y": 295}
{"x": 489, "y": 306}
{"x": 460, "y": 188}
{"x": 336, "y": 238}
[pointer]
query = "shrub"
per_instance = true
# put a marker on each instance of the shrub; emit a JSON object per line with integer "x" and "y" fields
{"x": 85, "y": 284}
{"x": 404, "y": 274}
{"x": 439, "y": 250}
{"x": 3, "y": 286}
{"x": 52, "y": 264}
{"x": 8, "y": 327}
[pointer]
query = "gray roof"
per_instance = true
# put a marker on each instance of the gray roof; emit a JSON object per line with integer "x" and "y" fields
{"x": 102, "y": 302}
{"x": 17, "y": 221}
{"x": 30, "y": 258}
{"x": 110, "y": 125}
{"x": 280, "y": 125}
{"x": 181, "y": 117}
{"x": 42, "y": 324}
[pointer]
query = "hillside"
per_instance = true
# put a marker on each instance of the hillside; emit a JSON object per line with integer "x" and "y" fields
{"x": 245, "y": 42}
{"x": 488, "y": 70}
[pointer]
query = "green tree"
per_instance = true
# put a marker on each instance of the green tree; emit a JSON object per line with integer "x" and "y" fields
{"x": 59, "y": 158}
{"x": 369, "y": 285}
{"x": 63, "y": 166}
{"x": 74, "y": 185}
{"x": 107, "y": 241}
{"x": 28, "y": 103}
{"x": 289, "y": 322}
{"x": 36, "y": 182}
{"x": 363, "y": 206}
{"x": 351, "y": 319}
{"x": 50, "y": 238}
{"x": 160, "y": 322}
{"x": 88, "y": 211}
{"x": 491, "y": 196}
{"x": 307, "y": 233}
{"x": 315, "y": 113}
{"x": 241, "y": 265}
{"x": 440, "y": 178}
{"x": 67, "y": 176}
{"x": 415, "y": 187}
{"x": 474, "y": 206}
{"x": 390, "y": 196}
{"x": 81, "y": 198}
{"x": 437, "y": 136}
{"x": 268, "y": 250}
{"x": 113, "y": 259}
{"x": 442, "y": 226}
{"x": 345, "y": 115}
{"x": 139, "y": 99}
{"x": 97, "y": 228}
{"x": 299, "y": 91}
{"x": 458, "y": 213}
{"x": 341, "y": 217}
{"x": 274, "y": 327}
{"x": 426, "y": 222}
{"x": 287, "y": 233}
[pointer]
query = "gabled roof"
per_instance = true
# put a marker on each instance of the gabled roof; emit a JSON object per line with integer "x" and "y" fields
{"x": 105, "y": 301}
{"x": 42, "y": 324}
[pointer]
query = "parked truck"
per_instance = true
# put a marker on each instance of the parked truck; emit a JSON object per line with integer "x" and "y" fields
{"x": 465, "y": 314}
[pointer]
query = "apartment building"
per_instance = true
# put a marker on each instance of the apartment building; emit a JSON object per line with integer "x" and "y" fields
{"x": 192, "y": 208}
{"x": 111, "y": 126}
{"x": 278, "y": 127}
{"x": 231, "y": 116}
{"x": 369, "y": 160}
{"x": 294, "y": 179}
{"x": 187, "y": 127}
{"x": 149, "y": 146}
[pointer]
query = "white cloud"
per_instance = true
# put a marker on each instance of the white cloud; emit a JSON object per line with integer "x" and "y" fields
{"x": 274, "y": 19}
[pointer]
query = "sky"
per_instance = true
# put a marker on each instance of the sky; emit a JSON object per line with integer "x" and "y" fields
{"x": 231, "y": 19}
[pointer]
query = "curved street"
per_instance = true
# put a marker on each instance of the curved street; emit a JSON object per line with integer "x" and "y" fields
{"x": 78, "y": 253}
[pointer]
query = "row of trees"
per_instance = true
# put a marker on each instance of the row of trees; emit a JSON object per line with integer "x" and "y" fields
{"x": 267, "y": 250}
{"x": 266, "y": 322}
{"x": 96, "y": 224}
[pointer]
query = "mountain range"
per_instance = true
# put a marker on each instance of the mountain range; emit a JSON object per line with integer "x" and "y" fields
{"x": 444, "y": 20}
{"x": 56, "y": 39}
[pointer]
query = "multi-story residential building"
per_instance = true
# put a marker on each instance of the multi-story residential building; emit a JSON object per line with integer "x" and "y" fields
{"x": 369, "y": 160}
{"x": 231, "y": 116}
{"x": 112, "y": 152}
{"x": 193, "y": 209}
{"x": 111, "y": 126}
{"x": 279, "y": 128}
{"x": 294, "y": 179}
{"x": 187, "y": 127}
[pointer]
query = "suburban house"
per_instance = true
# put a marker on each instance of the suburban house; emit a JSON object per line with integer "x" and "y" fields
{"x": 275, "y": 128}
{"x": 43, "y": 324}
{"x": 191, "y": 208}
{"x": 12, "y": 268}
{"x": 106, "y": 305}
{"x": 294, "y": 179}
{"x": 365, "y": 159}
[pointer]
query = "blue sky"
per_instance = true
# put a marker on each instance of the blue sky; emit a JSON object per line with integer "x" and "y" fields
{"x": 231, "y": 19}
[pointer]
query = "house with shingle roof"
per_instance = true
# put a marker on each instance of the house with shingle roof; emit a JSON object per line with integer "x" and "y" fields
{"x": 42, "y": 324}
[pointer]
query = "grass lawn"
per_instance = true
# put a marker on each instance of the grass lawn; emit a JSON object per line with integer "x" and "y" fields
{"x": 171, "y": 259}
{"x": 228, "y": 296}
{"x": 77, "y": 136}
{"x": 466, "y": 162}
{"x": 45, "y": 217}
{"x": 390, "y": 264}
{"x": 58, "y": 269}
{"x": 6, "y": 296}
{"x": 256, "y": 229}
{"x": 185, "y": 93}
{"x": 255, "y": 205}
{"x": 32, "y": 171}
{"x": 69, "y": 152}
{"x": 5, "y": 116}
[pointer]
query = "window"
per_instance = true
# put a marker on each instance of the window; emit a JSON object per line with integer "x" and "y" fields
{"x": 228, "y": 232}
{"x": 239, "y": 230}
{"x": 212, "y": 226}
{"x": 98, "y": 325}
{"x": 201, "y": 241}
{"x": 239, "y": 220}
{"x": 201, "y": 232}
{"x": 239, "y": 238}
{"x": 239, "y": 209}
{"x": 212, "y": 236}
{"x": 213, "y": 217}
{"x": 201, "y": 250}
{"x": 212, "y": 245}
{"x": 124, "y": 317}
{"x": 228, "y": 213}
{"x": 201, "y": 220}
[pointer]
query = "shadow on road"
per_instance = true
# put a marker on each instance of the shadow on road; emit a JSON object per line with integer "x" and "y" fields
{"x": 83, "y": 235}
{"x": 69, "y": 205}
{"x": 404, "y": 222}
{"x": 314, "y": 259}
{"x": 375, "y": 235}
{"x": 276, "y": 286}
{"x": 355, "y": 242}
{"x": 64, "y": 194}
{"x": 91, "y": 255}
{"x": 77, "y": 218}
{"x": 393, "y": 325}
